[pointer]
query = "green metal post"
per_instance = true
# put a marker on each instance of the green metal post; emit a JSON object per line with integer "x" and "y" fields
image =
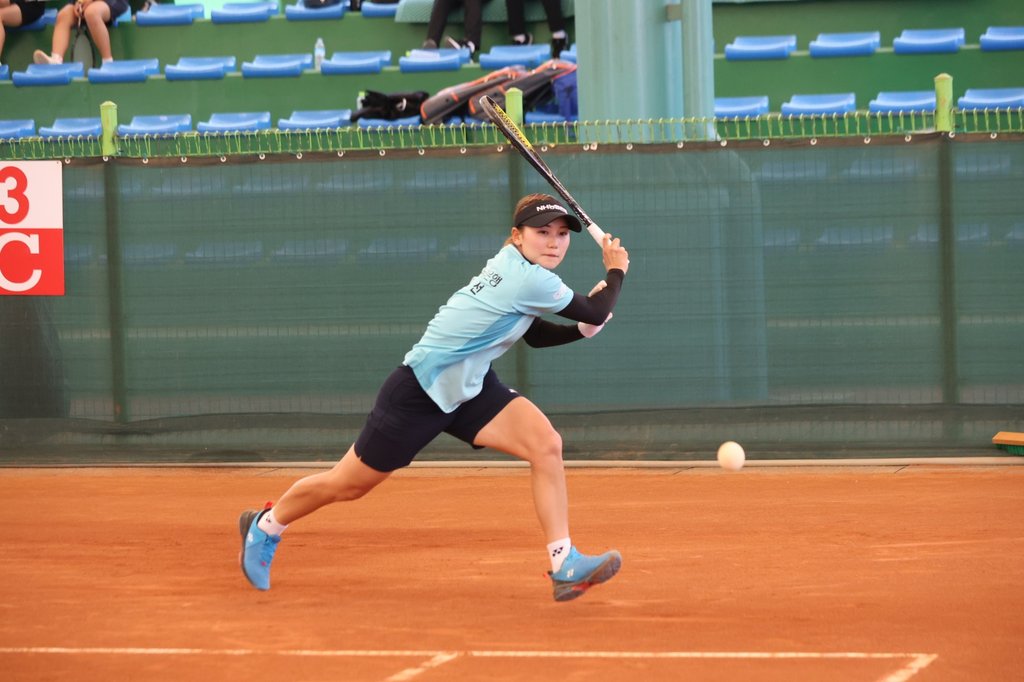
{"x": 947, "y": 240}
{"x": 698, "y": 57}
{"x": 944, "y": 103}
{"x": 108, "y": 118}
{"x": 628, "y": 60}
{"x": 514, "y": 105}
{"x": 516, "y": 189}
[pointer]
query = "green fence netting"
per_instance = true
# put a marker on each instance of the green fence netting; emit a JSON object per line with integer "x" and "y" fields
{"x": 848, "y": 295}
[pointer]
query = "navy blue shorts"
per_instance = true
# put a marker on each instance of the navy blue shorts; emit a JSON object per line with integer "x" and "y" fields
{"x": 405, "y": 419}
{"x": 30, "y": 11}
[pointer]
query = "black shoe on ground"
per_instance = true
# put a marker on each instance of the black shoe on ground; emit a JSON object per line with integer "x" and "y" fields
{"x": 460, "y": 44}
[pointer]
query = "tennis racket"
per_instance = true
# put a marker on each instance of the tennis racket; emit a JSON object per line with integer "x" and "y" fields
{"x": 510, "y": 130}
{"x": 81, "y": 48}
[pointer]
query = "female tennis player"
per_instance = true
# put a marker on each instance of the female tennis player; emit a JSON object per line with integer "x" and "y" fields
{"x": 446, "y": 384}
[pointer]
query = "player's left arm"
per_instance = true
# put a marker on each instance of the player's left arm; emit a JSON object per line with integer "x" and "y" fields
{"x": 597, "y": 306}
{"x": 544, "y": 334}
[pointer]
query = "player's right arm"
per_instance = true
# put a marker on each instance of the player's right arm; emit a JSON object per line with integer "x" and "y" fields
{"x": 614, "y": 254}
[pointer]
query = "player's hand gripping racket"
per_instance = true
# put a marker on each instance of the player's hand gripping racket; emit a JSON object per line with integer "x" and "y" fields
{"x": 510, "y": 130}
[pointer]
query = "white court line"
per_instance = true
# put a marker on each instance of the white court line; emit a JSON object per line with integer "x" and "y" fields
{"x": 917, "y": 662}
{"x": 434, "y": 662}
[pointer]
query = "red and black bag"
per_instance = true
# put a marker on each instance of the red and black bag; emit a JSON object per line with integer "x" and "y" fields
{"x": 536, "y": 86}
{"x": 454, "y": 100}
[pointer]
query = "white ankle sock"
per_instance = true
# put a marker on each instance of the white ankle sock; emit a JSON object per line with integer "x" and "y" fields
{"x": 269, "y": 525}
{"x": 559, "y": 34}
{"x": 557, "y": 551}
{"x": 57, "y": 59}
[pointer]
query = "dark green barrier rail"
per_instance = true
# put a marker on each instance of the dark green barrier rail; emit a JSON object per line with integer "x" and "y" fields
{"x": 457, "y": 137}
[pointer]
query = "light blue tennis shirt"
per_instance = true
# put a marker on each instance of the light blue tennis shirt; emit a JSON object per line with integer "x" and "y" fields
{"x": 480, "y": 322}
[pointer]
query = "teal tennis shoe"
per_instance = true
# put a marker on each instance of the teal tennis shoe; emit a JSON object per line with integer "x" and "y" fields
{"x": 580, "y": 572}
{"x": 257, "y": 550}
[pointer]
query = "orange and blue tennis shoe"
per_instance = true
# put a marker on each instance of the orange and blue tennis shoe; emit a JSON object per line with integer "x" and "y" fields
{"x": 257, "y": 549}
{"x": 580, "y": 572}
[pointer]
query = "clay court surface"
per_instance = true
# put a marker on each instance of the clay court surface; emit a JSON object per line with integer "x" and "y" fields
{"x": 843, "y": 573}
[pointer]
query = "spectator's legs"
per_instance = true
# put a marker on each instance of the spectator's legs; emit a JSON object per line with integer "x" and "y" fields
{"x": 553, "y": 8}
{"x": 517, "y": 17}
{"x": 438, "y": 18}
{"x": 66, "y": 18}
{"x": 97, "y": 14}
{"x": 10, "y": 15}
{"x": 474, "y": 22}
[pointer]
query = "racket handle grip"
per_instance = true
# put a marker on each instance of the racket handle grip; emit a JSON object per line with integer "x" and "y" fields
{"x": 597, "y": 233}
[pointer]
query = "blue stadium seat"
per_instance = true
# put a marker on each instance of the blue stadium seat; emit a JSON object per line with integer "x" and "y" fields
{"x": 1015, "y": 234}
{"x": 243, "y": 12}
{"x": 157, "y": 125}
{"x": 299, "y": 12}
{"x": 125, "y": 71}
{"x": 225, "y": 253}
{"x": 845, "y": 44}
{"x": 970, "y": 233}
{"x": 868, "y": 235}
{"x": 463, "y": 53}
{"x": 992, "y": 98}
{"x": 310, "y": 250}
{"x": 1003, "y": 38}
{"x": 15, "y": 128}
{"x": 372, "y": 61}
{"x": 399, "y": 248}
{"x": 500, "y": 56}
{"x": 199, "y": 68}
{"x": 833, "y": 103}
{"x": 277, "y": 65}
{"x": 314, "y": 120}
{"x": 379, "y": 10}
{"x": 461, "y": 121}
{"x": 229, "y": 122}
{"x": 385, "y": 123}
{"x": 929, "y": 40}
{"x": 431, "y": 60}
{"x": 123, "y": 17}
{"x": 170, "y": 15}
{"x": 760, "y": 47}
{"x": 73, "y": 127}
{"x": 5, "y": 72}
{"x": 545, "y": 117}
{"x": 903, "y": 101}
{"x": 568, "y": 55}
{"x": 143, "y": 255}
{"x": 739, "y": 107}
{"x": 48, "y": 74}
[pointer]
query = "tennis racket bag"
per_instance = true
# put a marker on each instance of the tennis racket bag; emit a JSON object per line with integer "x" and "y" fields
{"x": 536, "y": 86}
{"x": 454, "y": 100}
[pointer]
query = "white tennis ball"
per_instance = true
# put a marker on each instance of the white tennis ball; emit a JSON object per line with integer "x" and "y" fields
{"x": 731, "y": 456}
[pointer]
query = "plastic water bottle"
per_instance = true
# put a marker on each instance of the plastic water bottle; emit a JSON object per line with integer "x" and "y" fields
{"x": 318, "y": 53}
